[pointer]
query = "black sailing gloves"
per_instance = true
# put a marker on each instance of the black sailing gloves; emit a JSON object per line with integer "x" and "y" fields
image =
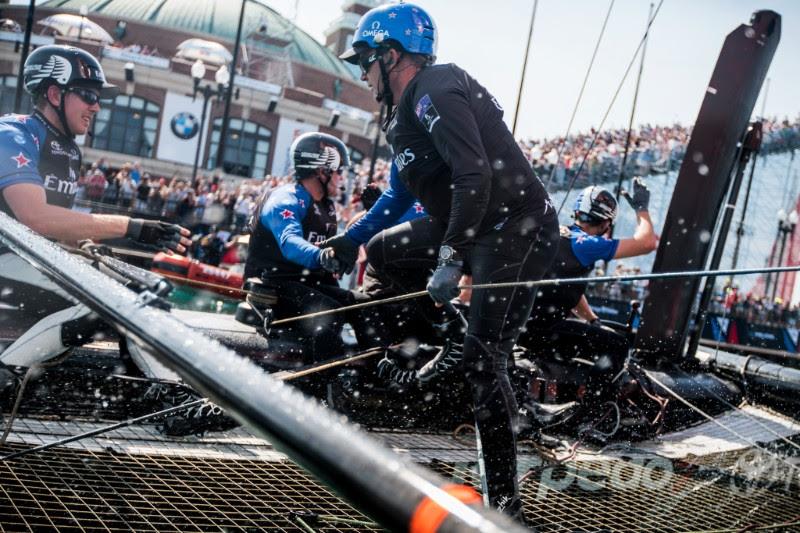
{"x": 640, "y": 197}
{"x": 345, "y": 250}
{"x": 328, "y": 261}
{"x": 157, "y": 235}
{"x": 443, "y": 285}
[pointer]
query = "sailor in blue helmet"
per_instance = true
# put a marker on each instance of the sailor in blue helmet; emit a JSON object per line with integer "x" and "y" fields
{"x": 287, "y": 228}
{"x": 39, "y": 169}
{"x": 488, "y": 214}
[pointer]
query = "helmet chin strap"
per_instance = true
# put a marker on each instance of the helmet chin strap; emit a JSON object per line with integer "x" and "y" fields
{"x": 62, "y": 114}
{"x": 386, "y": 97}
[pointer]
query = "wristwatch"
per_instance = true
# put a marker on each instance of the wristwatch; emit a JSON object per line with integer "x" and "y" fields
{"x": 448, "y": 254}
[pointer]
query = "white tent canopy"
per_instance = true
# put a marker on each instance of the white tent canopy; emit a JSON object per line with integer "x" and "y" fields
{"x": 76, "y": 27}
{"x": 206, "y": 51}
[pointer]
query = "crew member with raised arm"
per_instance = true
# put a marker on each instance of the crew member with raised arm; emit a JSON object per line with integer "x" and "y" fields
{"x": 562, "y": 324}
{"x": 488, "y": 213}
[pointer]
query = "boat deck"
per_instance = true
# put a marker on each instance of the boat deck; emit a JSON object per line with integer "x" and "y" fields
{"x": 709, "y": 477}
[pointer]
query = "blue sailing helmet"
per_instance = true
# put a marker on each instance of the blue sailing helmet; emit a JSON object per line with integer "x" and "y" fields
{"x": 408, "y": 25}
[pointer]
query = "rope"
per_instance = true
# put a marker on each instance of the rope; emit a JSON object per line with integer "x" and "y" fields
{"x": 580, "y": 96}
{"x": 289, "y": 376}
{"x": 18, "y": 401}
{"x": 541, "y": 283}
{"x": 99, "y": 431}
{"x": 715, "y": 421}
{"x": 282, "y": 376}
{"x": 611, "y": 105}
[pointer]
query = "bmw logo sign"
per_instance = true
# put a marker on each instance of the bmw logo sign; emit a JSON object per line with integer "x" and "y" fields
{"x": 184, "y": 125}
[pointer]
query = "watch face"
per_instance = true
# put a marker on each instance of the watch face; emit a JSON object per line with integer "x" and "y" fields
{"x": 446, "y": 253}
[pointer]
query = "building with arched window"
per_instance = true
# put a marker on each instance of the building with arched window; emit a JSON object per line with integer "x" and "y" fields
{"x": 286, "y": 84}
{"x": 126, "y": 125}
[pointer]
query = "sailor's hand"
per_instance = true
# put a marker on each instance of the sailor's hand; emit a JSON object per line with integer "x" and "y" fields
{"x": 159, "y": 235}
{"x": 370, "y": 195}
{"x": 328, "y": 261}
{"x": 639, "y": 198}
{"x": 345, "y": 250}
{"x": 443, "y": 285}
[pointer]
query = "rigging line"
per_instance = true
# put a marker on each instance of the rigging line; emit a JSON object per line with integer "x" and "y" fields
{"x": 580, "y": 97}
{"x": 99, "y": 431}
{"x": 282, "y": 376}
{"x": 633, "y": 108}
{"x": 540, "y": 283}
{"x": 742, "y": 411}
{"x": 525, "y": 67}
{"x": 715, "y": 421}
{"x": 610, "y": 106}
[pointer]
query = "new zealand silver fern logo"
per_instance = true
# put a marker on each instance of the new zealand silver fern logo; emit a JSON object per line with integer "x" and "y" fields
{"x": 56, "y": 67}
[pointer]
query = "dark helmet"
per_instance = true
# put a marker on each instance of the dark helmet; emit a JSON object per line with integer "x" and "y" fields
{"x": 65, "y": 66}
{"x": 595, "y": 204}
{"x": 407, "y": 25}
{"x": 314, "y": 150}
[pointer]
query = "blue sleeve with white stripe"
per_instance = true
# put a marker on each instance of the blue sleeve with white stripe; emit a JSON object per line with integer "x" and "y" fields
{"x": 19, "y": 152}
{"x": 283, "y": 213}
{"x": 386, "y": 212}
{"x": 591, "y": 248}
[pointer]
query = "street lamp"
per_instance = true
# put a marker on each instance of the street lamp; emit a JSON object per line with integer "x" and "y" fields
{"x": 786, "y": 225}
{"x": 83, "y": 11}
{"x": 222, "y": 78}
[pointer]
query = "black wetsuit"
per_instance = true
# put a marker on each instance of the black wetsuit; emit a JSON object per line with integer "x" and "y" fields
{"x": 456, "y": 155}
{"x": 553, "y": 333}
{"x": 286, "y": 229}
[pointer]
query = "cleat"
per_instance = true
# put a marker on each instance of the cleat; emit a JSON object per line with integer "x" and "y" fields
{"x": 445, "y": 362}
{"x": 195, "y": 420}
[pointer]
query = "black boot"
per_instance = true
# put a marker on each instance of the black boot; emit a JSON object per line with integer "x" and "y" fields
{"x": 195, "y": 420}
{"x": 448, "y": 360}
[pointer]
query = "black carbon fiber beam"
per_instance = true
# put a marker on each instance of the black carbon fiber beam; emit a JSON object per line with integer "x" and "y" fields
{"x": 384, "y": 485}
{"x": 703, "y": 181}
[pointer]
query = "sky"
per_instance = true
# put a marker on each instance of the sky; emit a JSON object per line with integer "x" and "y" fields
{"x": 488, "y": 40}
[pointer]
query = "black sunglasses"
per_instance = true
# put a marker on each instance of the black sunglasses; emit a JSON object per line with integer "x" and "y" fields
{"x": 88, "y": 96}
{"x": 365, "y": 61}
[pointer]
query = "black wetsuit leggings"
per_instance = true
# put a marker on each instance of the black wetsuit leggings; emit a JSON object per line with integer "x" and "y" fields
{"x": 407, "y": 253}
{"x": 321, "y": 336}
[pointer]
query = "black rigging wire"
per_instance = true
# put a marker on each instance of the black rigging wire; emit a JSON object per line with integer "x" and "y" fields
{"x": 580, "y": 96}
{"x": 610, "y": 105}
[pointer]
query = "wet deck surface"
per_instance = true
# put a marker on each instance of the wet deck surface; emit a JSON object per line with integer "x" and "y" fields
{"x": 135, "y": 479}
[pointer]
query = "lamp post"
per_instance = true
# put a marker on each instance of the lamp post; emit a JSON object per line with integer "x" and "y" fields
{"x": 222, "y": 77}
{"x": 786, "y": 225}
{"x": 84, "y": 11}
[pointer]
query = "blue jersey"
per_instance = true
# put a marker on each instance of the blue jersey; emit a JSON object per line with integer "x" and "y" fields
{"x": 589, "y": 249}
{"x": 33, "y": 151}
{"x": 394, "y": 203}
{"x": 415, "y": 211}
{"x": 286, "y": 230}
{"x": 577, "y": 253}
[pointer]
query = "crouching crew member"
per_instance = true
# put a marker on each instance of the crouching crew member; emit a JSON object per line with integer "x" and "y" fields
{"x": 288, "y": 225}
{"x": 553, "y": 331}
{"x": 487, "y": 212}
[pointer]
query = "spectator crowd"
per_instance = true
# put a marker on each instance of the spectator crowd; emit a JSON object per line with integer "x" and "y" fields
{"x": 218, "y": 210}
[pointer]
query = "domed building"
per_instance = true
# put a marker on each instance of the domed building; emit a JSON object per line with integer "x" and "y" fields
{"x": 169, "y": 112}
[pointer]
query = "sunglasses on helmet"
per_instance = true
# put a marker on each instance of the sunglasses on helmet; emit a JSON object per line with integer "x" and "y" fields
{"x": 88, "y": 96}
